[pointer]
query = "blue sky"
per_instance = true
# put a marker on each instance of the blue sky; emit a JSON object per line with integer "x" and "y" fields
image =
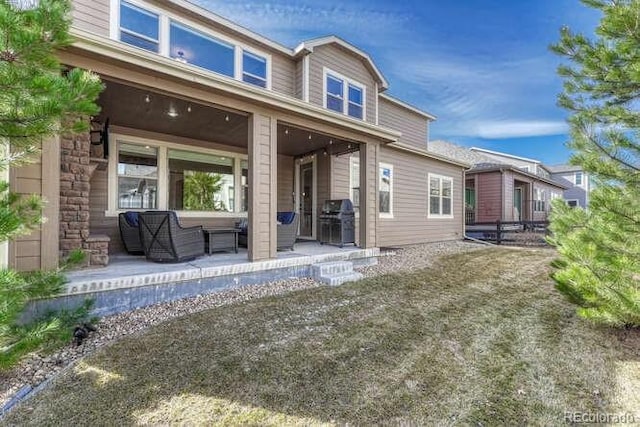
{"x": 483, "y": 67}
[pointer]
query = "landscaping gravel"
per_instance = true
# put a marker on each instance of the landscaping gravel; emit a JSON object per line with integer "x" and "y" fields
{"x": 36, "y": 368}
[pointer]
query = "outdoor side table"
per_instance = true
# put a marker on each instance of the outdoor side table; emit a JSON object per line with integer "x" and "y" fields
{"x": 220, "y": 239}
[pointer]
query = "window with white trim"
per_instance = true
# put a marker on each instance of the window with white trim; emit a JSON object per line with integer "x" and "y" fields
{"x": 344, "y": 95}
{"x": 139, "y": 27}
{"x": 385, "y": 190}
{"x": 191, "y": 46}
{"x": 159, "y": 175}
{"x": 573, "y": 203}
{"x": 578, "y": 178}
{"x": 254, "y": 69}
{"x": 354, "y": 182}
{"x": 137, "y": 176}
{"x": 201, "y": 182}
{"x": 440, "y": 196}
{"x": 539, "y": 200}
{"x": 169, "y": 35}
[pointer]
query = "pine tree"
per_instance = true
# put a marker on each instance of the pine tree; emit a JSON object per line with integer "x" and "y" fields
{"x": 599, "y": 264}
{"x": 38, "y": 98}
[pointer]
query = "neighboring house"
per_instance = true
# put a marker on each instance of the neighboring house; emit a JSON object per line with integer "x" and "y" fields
{"x": 578, "y": 183}
{"x": 188, "y": 92}
{"x": 502, "y": 187}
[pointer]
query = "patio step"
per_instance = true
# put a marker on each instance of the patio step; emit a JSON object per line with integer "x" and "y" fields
{"x": 335, "y": 273}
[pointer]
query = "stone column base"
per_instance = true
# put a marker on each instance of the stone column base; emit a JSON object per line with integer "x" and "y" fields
{"x": 96, "y": 246}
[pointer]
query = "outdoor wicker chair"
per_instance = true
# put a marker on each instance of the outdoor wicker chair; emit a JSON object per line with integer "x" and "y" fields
{"x": 287, "y": 230}
{"x": 164, "y": 240}
{"x": 130, "y": 232}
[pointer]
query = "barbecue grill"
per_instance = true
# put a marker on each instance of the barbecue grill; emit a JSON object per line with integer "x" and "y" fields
{"x": 337, "y": 222}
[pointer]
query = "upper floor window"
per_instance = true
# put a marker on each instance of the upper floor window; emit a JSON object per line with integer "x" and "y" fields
{"x": 578, "y": 178}
{"x": 440, "y": 196}
{"x": 139, "y": 27}
{"x": 161, "y": 32}
{"x": 254, "y": 69}
{"x": 385, "y": 190}
{"x": 343, "y": 95}
{"x": 191, "y": 46}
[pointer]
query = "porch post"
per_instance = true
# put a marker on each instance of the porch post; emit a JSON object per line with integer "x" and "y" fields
{"x": 368, "y": 194}
{"x": 263, "y": 192}
{"x": 49, "y": 249}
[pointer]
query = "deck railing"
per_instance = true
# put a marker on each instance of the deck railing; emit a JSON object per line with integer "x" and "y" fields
{"x": 509, "y": 232}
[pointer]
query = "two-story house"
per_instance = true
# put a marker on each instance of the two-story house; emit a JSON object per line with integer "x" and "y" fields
{"x": 577, "y": 181}
{"x": 282, "y": 129}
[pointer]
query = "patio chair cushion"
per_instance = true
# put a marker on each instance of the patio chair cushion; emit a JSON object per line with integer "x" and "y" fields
{"x": 285, "y": 217}
{"x": 132, "y": 218}
{"x": 130, "y": 232}
{"x": 243, "y": 224}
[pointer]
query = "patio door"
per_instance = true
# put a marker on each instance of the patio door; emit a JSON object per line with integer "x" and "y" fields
{"x": 517, "y": 204}
{"x": 306, "y": 196}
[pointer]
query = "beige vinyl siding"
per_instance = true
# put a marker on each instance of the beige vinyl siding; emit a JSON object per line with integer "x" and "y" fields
{"x": 283, "y": 71}
{"x": 488, "y": 196}
{"x": 298, "y": 76}
{"x": 349, "y": 65}
{"x": 91, "y": 15}
{"x": 414, "y": 127}
{"x": 410, "y": 223}
{"x": 286, "y": 171}
{"x": 340, "y": 183}
{"x": 24, "y": 251}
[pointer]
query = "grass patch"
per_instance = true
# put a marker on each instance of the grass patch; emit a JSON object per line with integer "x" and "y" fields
{"x": 480, "y": 338}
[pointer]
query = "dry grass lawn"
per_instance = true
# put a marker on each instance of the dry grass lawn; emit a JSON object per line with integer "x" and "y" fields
{"x": 481, "y": 338}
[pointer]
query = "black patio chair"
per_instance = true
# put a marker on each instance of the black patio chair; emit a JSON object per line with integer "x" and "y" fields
{"x": 130, "y": 232}
{"x": 165, "y": 240}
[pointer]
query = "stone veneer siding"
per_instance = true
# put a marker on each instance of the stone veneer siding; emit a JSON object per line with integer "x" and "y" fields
{"x": 75, "y": 184}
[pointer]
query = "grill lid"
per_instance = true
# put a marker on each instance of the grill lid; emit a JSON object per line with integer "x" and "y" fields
{"x": 337, "y": 206}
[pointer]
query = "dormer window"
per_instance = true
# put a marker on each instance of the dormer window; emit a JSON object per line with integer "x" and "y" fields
{"x": 139, "y": 27}
{"x": 343, "y": 95}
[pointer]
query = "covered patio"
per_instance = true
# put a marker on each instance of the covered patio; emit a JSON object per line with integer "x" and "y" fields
{"x": 152, "y": 142}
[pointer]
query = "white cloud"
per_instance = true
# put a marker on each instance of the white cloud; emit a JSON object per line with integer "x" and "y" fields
{"x": 292, "y": 22}
{"x": 518, "y": 129}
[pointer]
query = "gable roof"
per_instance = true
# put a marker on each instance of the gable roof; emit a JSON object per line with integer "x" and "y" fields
{"x": 309, "y": 45}
{"x": 497, "y": 153}
{"x": 564, "y": 168}
{"x": 481, "y": 162}
{"x": 409, "y": 107}
{"x": 459, "y": 153}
